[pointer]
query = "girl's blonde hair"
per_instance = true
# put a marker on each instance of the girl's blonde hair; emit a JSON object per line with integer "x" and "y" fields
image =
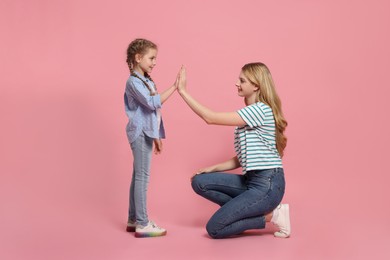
{"x": 259, "y": 75}
{"x": 138, "y": 46}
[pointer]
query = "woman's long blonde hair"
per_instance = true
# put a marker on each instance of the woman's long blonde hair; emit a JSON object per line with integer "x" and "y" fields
{"x": 259, "y": 75}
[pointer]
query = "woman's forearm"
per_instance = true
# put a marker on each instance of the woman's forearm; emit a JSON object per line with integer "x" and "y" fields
{"x": 208, "y": 115}
{"x": 202, "y": 111}
{"x": 230, "y": 164}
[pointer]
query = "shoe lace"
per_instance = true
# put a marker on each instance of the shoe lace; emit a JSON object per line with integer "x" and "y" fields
{"x": 154, "y": 224}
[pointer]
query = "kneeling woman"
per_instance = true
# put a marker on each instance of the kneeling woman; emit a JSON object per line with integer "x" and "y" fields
{"x": 249, "y": 200}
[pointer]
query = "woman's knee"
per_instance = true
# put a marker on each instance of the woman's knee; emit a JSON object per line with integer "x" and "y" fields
{"x": 213, "y": 230}
{"x": 197, "y": 184}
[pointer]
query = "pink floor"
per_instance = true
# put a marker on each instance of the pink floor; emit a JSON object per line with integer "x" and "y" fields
{"x": 90, "y": 224}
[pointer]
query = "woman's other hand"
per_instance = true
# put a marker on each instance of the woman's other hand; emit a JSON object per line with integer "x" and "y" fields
{"x": 203, "y": 170}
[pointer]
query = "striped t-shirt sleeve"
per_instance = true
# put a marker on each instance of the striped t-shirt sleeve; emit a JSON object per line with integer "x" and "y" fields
{"x": 253, "y": 115}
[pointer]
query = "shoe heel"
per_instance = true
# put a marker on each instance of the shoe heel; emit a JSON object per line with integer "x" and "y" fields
{"x": 130, "y": 229}
{"x": 287, "y": 225}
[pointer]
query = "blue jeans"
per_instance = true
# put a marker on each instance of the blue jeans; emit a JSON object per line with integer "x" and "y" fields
{"x": 142, "y": 154}
{"x": 244, "y": 199}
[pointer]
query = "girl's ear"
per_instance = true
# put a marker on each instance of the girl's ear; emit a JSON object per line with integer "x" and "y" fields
{"x": 138, "y": 57}
{"x": 256, "y": 88}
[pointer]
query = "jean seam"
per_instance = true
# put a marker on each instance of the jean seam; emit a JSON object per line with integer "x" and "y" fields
{"x": 205, "y": 187}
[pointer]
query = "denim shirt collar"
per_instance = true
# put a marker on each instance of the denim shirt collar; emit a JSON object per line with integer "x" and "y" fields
{"x": 141, "y": 76}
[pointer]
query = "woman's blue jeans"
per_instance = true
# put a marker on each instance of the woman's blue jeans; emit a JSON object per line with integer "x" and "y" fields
{"x": 142, "y": 153}
{"x": 244, "y": 199}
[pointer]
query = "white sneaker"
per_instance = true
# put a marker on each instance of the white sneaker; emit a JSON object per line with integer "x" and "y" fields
{"x": 281, "y": 219}
{"x": 131, "y": 225}
{"x": 150, "y": 230}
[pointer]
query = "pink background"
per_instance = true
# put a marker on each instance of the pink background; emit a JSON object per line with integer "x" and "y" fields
{"x": 65, "y": 161}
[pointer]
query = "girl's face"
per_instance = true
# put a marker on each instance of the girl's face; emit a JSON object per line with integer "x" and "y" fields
{"x": 244, "y": 87}
{"x": 147, "y": 61}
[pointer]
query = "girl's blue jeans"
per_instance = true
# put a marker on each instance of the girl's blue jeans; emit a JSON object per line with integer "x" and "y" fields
{"x": 244, "y": 199}
{"x": 142, "y": 153}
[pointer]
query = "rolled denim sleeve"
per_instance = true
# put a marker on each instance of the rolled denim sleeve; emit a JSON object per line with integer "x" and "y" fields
{"x": 141, "y": 93}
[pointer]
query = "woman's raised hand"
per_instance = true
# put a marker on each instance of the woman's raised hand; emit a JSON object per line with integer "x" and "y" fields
{"x": 182, "y": 80}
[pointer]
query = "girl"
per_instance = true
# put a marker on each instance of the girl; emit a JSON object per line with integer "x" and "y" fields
{"x": 250, "y": 200}
{"x": 145, "y": 127}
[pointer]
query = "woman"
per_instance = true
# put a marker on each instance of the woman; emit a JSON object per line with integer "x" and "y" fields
{"x": 249, "y": 200}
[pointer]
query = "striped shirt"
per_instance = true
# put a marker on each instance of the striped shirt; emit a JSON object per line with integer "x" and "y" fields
{"x": 255, "y": 143}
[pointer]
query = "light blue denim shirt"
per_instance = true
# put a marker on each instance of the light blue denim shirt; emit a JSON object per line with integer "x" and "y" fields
{"x": 141, "y": 109}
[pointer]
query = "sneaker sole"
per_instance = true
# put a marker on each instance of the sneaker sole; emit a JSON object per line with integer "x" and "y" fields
{"x": 141, "y": 235}
{"x": 281, "y": 235}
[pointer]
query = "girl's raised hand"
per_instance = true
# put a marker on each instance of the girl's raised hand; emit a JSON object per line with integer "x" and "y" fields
{"x": 176, "y": 84}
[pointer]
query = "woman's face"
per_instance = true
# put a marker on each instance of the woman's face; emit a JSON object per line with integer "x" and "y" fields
{"x": 244, "y": 87}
